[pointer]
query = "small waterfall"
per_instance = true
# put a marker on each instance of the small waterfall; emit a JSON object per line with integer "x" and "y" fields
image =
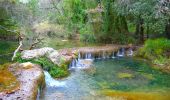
{"x": 113, "y": 55}
{"x": 80, "y": 63}
{"x": 84, "y": 60}
{"x": 52, "y": 82}
{"x": 121, "y": 52}
{"x": 73, "y": 64}
{"x": 104, "y": 55}
{"x": 79, "y": 56}
{"x": 130, "y": 52}
{"x": 99, "y": 56}
{"x": 88, "y": 55}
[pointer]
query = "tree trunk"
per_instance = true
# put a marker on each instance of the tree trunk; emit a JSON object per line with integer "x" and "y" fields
{"x": 124, "y": 24}
{"x": 167, "y": 30}
{"x": 147, "y": 32}
{"x": 137, "y": 29}
{"x": 141, "y": 30}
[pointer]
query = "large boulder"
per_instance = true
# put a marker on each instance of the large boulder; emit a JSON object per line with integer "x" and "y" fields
{"x": 31, "y": 78}
{"x": 53, "y": 55}
{"x": 36, "y": 53}
{"x": 56, "y": 58}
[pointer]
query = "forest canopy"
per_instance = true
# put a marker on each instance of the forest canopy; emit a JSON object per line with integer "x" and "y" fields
{"x": 105, "y": 21}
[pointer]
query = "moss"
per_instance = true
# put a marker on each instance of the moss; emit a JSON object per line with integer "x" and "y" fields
{"x": 136, "y": 95}
{"x": 8, "y": 82}
{"x": 54, "y": 70}
{"x": 104, "y": 85}
{"x": 148, "y": 76}
{"x": 125, "y": 75}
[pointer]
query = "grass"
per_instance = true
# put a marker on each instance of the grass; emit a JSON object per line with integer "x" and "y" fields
{"x": 155, "y": 48}
{"x": 156, "y": 51}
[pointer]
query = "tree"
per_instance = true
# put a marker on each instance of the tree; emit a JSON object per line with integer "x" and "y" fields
{"x": 163, "y": 11}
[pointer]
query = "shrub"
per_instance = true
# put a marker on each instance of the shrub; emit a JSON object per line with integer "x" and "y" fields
{"x": 123, "y": 39}
{"x": 155, "y": 50}
{"x": 87, "y": 37}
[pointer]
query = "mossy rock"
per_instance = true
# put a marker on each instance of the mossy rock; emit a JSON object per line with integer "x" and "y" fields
{"x": 54, "y": 70}
{"x": 8, "y": 82}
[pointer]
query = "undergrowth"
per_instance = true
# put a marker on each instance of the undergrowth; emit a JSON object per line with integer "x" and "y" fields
{"x": 156, "y": 50}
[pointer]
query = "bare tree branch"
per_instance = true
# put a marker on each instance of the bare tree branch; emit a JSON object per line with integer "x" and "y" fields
{"x": 33, "y": 45}
{"x": 15, "y": 52}
{"x": 37, "y": 41}
{"x": 19, "y": 47}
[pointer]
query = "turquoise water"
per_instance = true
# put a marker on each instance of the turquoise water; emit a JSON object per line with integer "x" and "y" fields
{"x": 120, "y": 74}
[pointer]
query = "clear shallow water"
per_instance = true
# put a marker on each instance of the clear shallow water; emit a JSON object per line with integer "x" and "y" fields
{"x": 119, "y": 78}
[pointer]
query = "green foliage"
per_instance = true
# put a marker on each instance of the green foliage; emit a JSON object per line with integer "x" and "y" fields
{"x": 157, "y": 47}
{"x": 7, "y": 47}
{"x": 162, "y": 61}
{"x": 33, "y": 6}
{"x": 74, "y": 13}
{"x": 6, "y": 51}
{"x": 88, "y": 38}
{"x": 156, "y": 50}
{"x": 7, "y": 24}
{"x": 86, "y": 35}
{"x": 123, "y": 39}
{"x": 54, "y": 70}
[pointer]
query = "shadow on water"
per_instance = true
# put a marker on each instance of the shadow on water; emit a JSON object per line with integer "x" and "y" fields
{"x": 119, "y": 79}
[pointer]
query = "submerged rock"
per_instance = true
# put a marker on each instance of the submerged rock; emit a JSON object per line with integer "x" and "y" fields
{"x": 125, "y": 75}
{"x": 31, "y": 78}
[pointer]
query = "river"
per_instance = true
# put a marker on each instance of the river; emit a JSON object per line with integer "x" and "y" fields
{"x": 119, "y": 78}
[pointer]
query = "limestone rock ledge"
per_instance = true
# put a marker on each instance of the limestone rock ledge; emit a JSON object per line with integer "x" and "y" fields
{"x": 31, "y": 78}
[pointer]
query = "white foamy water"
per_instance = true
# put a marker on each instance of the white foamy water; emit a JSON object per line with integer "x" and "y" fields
{"x": 52, "y": 82}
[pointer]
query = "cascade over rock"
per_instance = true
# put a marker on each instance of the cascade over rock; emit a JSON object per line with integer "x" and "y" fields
{"x": 79, "y": 57}
{"x": 86, "y": 55}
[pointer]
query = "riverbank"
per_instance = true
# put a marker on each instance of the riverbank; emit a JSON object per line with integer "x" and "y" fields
{"x": 27, "y": 72}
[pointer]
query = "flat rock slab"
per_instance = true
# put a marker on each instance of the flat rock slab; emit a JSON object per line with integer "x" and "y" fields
{"x": 50, "y": 53}
{"x": 31, "y": 77}
{"x": 36, "y": 53}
